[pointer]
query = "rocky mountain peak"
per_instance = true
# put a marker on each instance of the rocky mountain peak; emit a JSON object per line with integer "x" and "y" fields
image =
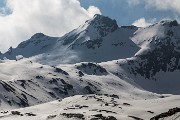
{"x": 103, "y": 24}
{"x": 170, "y": 23}
{"x": 37, "y": 35}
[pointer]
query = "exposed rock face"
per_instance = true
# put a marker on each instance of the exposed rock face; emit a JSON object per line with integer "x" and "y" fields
{"x": 103, "y": 25}
{"x": 171, "y": 112}
{"x": 161, "y": 53}
{"x": 163, "y": 58}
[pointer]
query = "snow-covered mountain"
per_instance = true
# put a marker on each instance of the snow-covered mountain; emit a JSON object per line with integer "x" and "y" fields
{"x": 37, "y": 44}
{"x": 95, "y": 41}
{"x": 159, "y": 57}
{"x": 111, "y": 73}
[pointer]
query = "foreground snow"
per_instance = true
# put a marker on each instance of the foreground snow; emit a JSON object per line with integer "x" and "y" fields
{"x": 91, "y": 106}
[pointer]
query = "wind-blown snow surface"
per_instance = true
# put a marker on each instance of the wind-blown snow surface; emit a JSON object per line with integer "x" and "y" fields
{"x": 137, "y": 72}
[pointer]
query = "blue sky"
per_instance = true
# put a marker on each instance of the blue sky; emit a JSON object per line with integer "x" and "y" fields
{"x": 2, "y": 3}
{"x": 125, "y": 13}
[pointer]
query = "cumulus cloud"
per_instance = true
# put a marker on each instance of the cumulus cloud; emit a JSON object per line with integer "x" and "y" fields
{"x": 52, "y": 17}
{"x": 143, "y": 23}
{"x": 92, "y": 10}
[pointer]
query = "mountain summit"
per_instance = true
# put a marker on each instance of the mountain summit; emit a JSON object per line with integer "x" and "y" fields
{"x": 98, "y": 26}
{"x": 102, "y": 24}
{"x": 95, "y": 41}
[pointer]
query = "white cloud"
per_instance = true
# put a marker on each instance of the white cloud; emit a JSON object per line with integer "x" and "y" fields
{"x": 92, "y": 10}
{"x": 52, "y": 17}
{"x": 173, "y": 5}
{"x": 143, "y": 23}
{"x": 163, "y": 5}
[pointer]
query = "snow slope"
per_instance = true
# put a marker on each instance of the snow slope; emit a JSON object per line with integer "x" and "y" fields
{"x": 96, "y": 107}
{"x": 25, "y": 83}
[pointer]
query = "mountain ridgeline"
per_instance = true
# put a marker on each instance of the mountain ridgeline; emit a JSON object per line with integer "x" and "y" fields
{"x": 150, "y": 56}
{"x": 93, "y": 41}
